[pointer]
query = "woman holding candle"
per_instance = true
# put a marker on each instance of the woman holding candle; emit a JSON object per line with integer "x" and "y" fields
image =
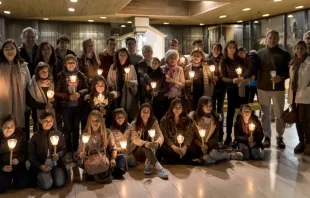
{"x": 14, "y": 77}
{"x": 206, "y": 119}
{"x": 299, "y": 95}
{"x": 248, "y": 134}
{"x": 46, "y": 53}
{"x": 70, "y": 88}
{"x": 230, "y": 65}
{"x": 154, "y": 79}
{"x": 42, "y": 157}
{"x": 122, "y": 80}
{"x": 201, "y": 84}
{"x": 39, "y": 91}
{"x": 101, "y": 141}
{"x": 143, "y": 146}
{"x": 16, "y": 170}
{"x": 120, "y": 129}
{"x": 175, "y": 123}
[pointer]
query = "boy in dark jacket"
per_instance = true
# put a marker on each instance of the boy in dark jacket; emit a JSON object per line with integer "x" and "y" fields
{"x": 247, "y": 138}
{"x": 70, "y": 88}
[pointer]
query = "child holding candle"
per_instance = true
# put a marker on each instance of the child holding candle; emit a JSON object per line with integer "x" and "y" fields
{"x": 248, "y": 142}
{"x": 201, "y": 84}
{"x": 37, "y": 97}
{"x": 70, "y": 95}
{"x": 120, "y": 128}
{"x": 43, "y": 172}
{"x": 174, "y": 123}
{"x": 17, "y": 170}
{"x": 142, "y": 147}
{"x": 101, "y": 141}
{"x": 156, "y": 75}
{"x": 205, "y": 118}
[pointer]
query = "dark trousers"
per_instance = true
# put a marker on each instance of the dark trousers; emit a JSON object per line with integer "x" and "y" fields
{"x": 158, "y": 108}
{"x": 59, "y": 120}
{"x": 71, "y": 131}
{"x": 19, "y": 175}
{"x": 27, "y": 122}
{"x": 303, "y": 123}
{"x": 218, "y": 106}
{"x": 173, "y": 158}
{"x": 234, "y": 102}
{"x": 252, "y": 93}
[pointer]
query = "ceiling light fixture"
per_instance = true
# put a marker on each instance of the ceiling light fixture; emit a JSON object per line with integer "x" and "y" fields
{"x": 123, "y": 26}
{"x": 166, "y": 23}
{"x": 74, "y": 1}
{"x": 223, "y": 16}
{"x": 91, "y": 21}
{"x": 246, "y": 9}
{"x": 201, "y": 24}
{"x": 7, "y": 12}
{"x": 129, "y": 21}
{"x": 290, "y": 16}
{"x": 265, "y": 15}
{"x": 239, "y": 21}
{"x": 256, "y": 22}
{"x": 0, "y": 2}
{"x": 299, "y": 7}
{"x": 71, "y": 9}
{"x": 277, "y": 0}
{"x": 103, "y": 17}
{"x": 45, "y": 19}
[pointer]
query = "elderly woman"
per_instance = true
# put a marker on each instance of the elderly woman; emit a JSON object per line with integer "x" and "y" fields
{"x": 14, "y": 77}
{"x": 202, "y": 83}
{"x": 299, "y": 95}
{"x": 124, "y": 85}
{"x": 88, "y": 60}
{"x": 174, "y": 77}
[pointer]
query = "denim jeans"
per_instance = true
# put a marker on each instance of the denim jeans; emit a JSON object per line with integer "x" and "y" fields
{"x": 250, "y": 153}
{"x": 131, "y": 161}
{"x": 56, "y": 177}
{"x": 215, "y": 156}
{"x": 71, "y": 130}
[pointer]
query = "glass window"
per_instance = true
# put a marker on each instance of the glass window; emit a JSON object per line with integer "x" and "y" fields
{"x": 246, "y": 35}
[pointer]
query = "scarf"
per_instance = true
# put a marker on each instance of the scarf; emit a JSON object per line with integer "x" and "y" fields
{"x": 12, "y": 94}
{"x": 170, "y": 72}
{"x": 295, "y": 67}
{"x": 36, "y": 91}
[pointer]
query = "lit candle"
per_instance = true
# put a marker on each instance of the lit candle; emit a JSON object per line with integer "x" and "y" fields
{"x": 85, "y": 139}
{"x": 180, "y": 139}
{"x": 252, "y": 128}
{"x": 127, "y": 70}
{"x": 212, "y": 68}
{"x": 152, "y": 134}
{"x": 99, "y": 72}
{"x": 191, "y": 75}
{"x": 11, "y": 143}
{"x": 182, "y": 60}
{"x": 101, "y": 98}
{"x": 273, "y": 74}
{"x": 239, "y": 71}
{"x": 73, "y": 80}
{"x": 153, "y": 85}
{"x": 54, "y": 140}
{"x": 50, "y": 94}
{"x": 202, "y": 133}
{"x": 123, "y": 144}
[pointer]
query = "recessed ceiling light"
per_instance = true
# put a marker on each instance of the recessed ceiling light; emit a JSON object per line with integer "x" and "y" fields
{"x": 299, "y": 7}
{"x": 201, "y": 24}
{"x": 0, "y": 2}
{"x": 239, "y": 21}
{"x": 45, "y": 19}
{"x": 90, "y": 20}
{"x": 290, "y": 16}
{"x": 71, "y": 9}
{"x": 7, "y": 12}
{"x": 123, "y": 26}
{"x": 256, "y": 22}
{"x": 129, "y": 21}
{"x": 265, "y": 15}
{"x": 223, "y": 16}
{"x": 166, "y": 23}
{"x": 277, "y": 0}
{"x": 103, "y": 17}
{"x": 74, "y": 1}
{"x": 246, "y": 9}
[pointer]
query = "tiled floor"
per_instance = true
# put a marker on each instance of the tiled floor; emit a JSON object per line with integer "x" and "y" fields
{"x": 280, "y": 175}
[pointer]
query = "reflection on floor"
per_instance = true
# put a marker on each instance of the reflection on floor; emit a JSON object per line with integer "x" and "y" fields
{"x": 280, "y": 175}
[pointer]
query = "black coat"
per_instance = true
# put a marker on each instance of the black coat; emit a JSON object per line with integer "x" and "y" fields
{"x": 24, "y": 55}
{"x": 241, "y": 136}
{"x": 19, "y": 152}
{"x": 141, "y": 69}
{"x": 157, "y": 76}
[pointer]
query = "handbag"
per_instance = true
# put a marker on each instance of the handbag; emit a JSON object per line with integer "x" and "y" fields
{"x": 289, "y": 115}
{"x": 96, "y": 163}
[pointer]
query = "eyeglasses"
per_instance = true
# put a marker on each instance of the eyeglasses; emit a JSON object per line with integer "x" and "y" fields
{"x": 7, "y": 49}
{"x": 48, "y": 121}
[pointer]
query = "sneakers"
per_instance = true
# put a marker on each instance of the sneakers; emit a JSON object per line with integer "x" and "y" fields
{"x": 162, "y": 173}
{"x": 147, "y": 170}
{"x": 236, "y": 156}
{"x": 299, "y": 148}
{"x": 307, "y": 149}
{"x": 267, "y": 142}
{"x": 280, "y": 143}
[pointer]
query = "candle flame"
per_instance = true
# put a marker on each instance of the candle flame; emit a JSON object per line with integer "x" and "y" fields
{"x": 202, "y": 132}
{"x": 180, "y": 139}
{"x": 12, "y": 143}
{"x": 54, "y": 140}
{"x": 73, "y": 79}
{"x": 85, "y": 138}
{"x": 191, "y": 74}
{"x": 153, "y": 85}
{"x": 239, "y": 70}
{"x": 123, "y": 144}
{"x": 50, "y": 93}
{"x": 252, "y": 127}
{"x": 212, "y": 68}
{"x": 152, "y": 133}
{"x": 99, "y": 72}
{"x": 127, "y": 70}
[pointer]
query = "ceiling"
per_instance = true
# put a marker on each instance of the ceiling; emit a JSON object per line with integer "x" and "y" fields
{"x": 191, "y": 12}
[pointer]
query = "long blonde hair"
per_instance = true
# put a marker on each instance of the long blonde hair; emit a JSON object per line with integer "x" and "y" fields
{"x": 103, "y": 130}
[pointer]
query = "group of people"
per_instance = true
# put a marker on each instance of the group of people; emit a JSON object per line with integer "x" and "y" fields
{"x": 132, "y": 108}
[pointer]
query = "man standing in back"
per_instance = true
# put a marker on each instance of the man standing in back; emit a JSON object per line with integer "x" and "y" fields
{"x": 307, "y": 40}
{"x": 107, "y": 56}
{"x": 131, "y": 45}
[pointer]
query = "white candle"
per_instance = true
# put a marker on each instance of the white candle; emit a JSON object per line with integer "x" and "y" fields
{"x": 54, "y": 140}
{"x": 202, "y": 133}
{"x": 152, "y": 134}
{"x": 11, "y": 143}
{"x": 127, "y": 70}
{"x": 180, "y": 140}
{"x": 73, "y": 80}
{"x": 182, "y": 60}
{"x": 273, "y": 74}
{"x": 191, "y": 74}
{"x": 153, "y": 85}
{"x": 212, "y": 68}
{"x": 50, "y": 94}
{"x": 123, "y": 144}
{"x": 101, "y": 98}
{"x": 85, "y": 139}
{"x": 239, "y": 71}
{"x": 99, "y": 72}
{"x": 252, "y": 128}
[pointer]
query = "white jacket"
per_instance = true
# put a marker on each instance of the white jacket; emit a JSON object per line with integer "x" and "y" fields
{"x": 303, "y": 87}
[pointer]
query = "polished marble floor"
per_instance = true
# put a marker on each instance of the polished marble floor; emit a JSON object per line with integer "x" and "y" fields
{"x": 280, "y": 175}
